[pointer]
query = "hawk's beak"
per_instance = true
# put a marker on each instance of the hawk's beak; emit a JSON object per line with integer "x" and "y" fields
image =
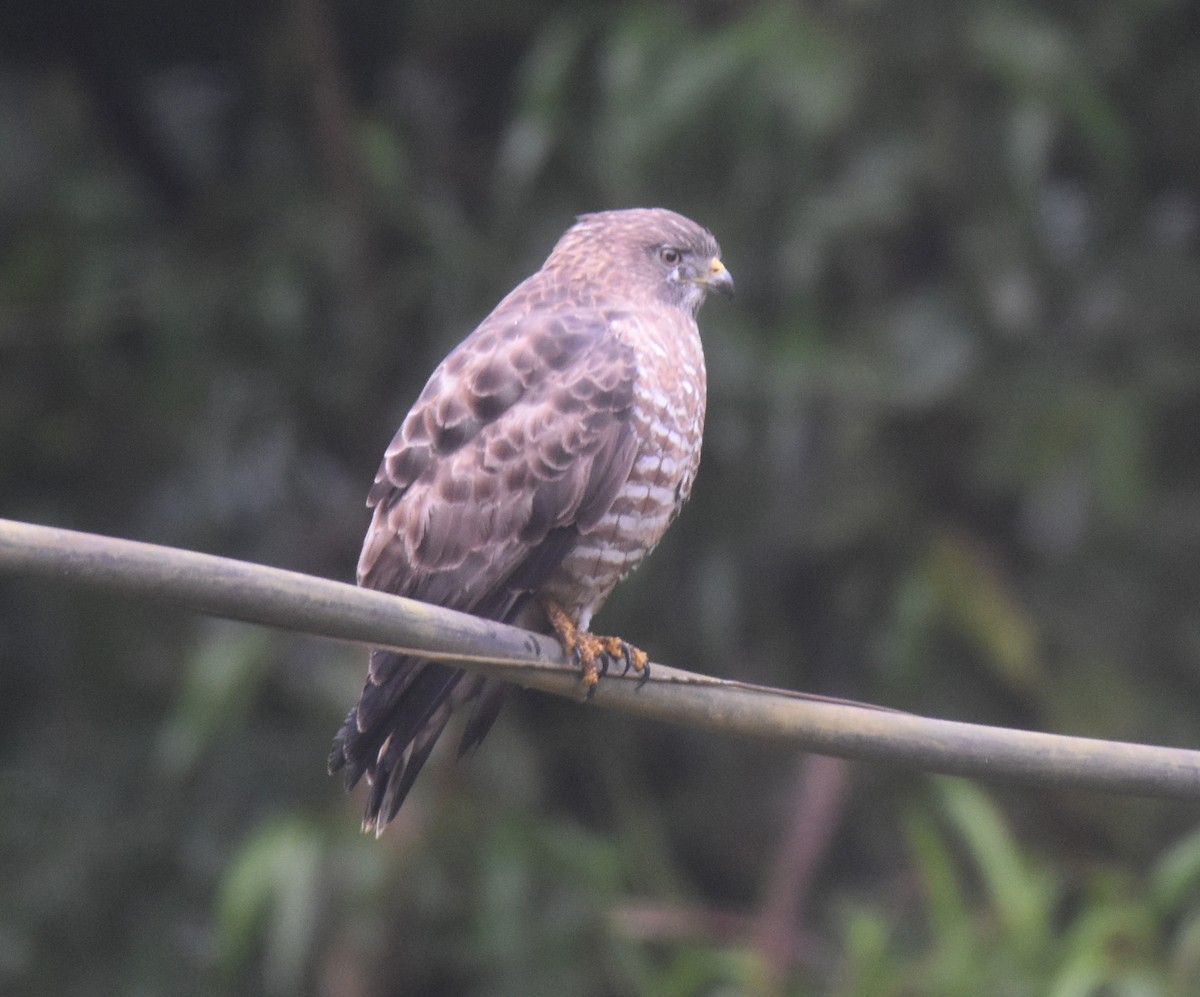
{"x": 718, "y": 278}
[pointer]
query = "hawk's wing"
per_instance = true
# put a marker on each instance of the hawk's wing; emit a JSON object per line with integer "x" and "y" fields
{"x": 521, "y": 438}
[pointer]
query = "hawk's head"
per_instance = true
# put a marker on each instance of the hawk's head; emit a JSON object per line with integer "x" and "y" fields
{"x": 644, "y": 252}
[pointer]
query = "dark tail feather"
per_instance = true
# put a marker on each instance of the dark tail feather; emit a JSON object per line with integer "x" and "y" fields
{"x": 483, "y": 714}
{"x": 340, "y": 751}
{"x": 357, "y": 743}
{"x": 391, "y": 751}
{"x": 386, "y": 796}
{"x": 407, "y": 701}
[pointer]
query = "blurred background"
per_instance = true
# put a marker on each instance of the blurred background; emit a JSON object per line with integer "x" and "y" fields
{"x": 952, "y": 466}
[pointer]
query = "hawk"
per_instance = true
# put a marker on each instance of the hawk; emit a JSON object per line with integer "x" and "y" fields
{"x": 545, "y": 457}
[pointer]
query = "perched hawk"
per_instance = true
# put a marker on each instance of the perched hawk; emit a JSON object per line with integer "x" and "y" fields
{"x": 545, "y": 458}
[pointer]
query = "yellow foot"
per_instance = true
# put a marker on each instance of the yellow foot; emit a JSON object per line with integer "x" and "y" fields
{"x": 593, "y": 653}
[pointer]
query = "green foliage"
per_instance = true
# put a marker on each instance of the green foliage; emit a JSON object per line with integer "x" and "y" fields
{"x": 272, "y": 888}
{"x": 217, "y": 693}
{"x": 1000, "y": 920}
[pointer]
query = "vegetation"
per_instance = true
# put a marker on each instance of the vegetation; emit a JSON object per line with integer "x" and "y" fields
{"x": 950, "y": 467}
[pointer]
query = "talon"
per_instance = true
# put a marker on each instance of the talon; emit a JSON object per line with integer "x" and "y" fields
{"x": 615, "y": 649}
{"x": 593, "y": 655}
{"x": 634, "y": 658}
{"x": 591, "y": 679}
{"x": 589, "y": 661}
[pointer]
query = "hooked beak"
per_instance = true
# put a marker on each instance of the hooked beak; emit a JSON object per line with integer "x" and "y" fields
{"x": 718, "y": 278}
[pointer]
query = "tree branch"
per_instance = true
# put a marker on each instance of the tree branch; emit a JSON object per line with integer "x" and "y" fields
{"x": 257, "y": 594}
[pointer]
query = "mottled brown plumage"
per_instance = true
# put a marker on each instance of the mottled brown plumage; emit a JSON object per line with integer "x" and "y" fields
{"x": 547, "y": 454}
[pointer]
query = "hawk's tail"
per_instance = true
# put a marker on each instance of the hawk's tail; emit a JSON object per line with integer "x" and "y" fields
{"x": 404, "y": 708}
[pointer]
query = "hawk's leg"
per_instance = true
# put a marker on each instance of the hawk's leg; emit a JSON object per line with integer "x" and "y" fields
{"x": 591, "y": 652}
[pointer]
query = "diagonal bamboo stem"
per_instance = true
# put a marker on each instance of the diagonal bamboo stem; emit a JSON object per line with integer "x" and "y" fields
{"x": 288, "y": 600}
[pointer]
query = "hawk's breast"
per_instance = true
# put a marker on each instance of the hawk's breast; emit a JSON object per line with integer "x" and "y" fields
{"x": 668, "y": 421}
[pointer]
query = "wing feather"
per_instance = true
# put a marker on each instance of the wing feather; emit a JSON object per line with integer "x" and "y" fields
{"x": 522, "y": 436}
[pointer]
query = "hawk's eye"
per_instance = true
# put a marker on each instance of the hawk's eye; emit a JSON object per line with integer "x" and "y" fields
{"x": 670, "y": 256}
